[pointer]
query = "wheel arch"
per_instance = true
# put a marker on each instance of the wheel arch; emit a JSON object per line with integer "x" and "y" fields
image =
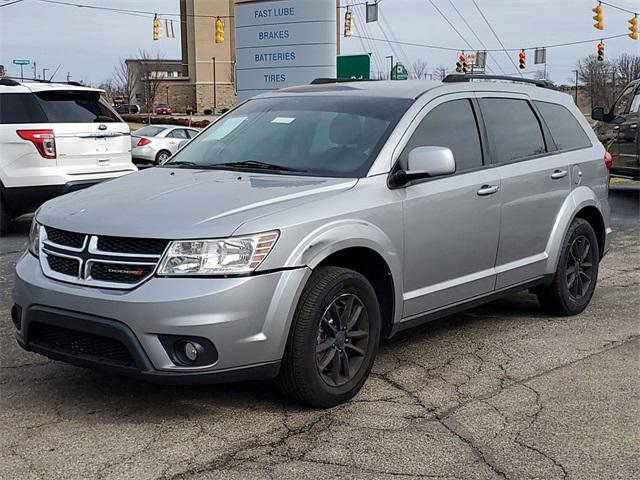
{"x": 581, "y": 203}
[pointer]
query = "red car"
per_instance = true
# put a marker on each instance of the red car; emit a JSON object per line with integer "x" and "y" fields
{"x": 163, "y": 109}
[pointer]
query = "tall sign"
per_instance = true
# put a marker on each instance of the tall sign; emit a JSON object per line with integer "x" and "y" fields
{"x": 281, "y": 43}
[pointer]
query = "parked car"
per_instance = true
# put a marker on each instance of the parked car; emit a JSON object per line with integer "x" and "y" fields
{"x": 163, "y": 109}
{"x": 54, "y": 139}
{"x": 306, "y": 224}
{"x": 127, "y": 108}
{"x": 618, "y": 129}
{"x": 154, "y": 144}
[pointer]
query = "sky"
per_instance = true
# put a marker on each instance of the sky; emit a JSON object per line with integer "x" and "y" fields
{"x": 87, "y": 44}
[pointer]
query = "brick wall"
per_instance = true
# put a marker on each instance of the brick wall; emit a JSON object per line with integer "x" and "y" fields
{"x": 224, "y": 93}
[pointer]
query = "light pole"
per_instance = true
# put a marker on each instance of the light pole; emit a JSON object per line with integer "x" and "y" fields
{"x": 576, "y": 72}
{"x": 215, "y": 102}
{"x": 391, "y": 70}
{"x": 167, "y": 87}
{"x": 44, "y": 73}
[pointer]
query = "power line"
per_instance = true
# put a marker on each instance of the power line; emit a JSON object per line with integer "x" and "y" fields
{"x": 129, "y": 11}
{"x": 11, "y": 3}
{"x": 454, "y": 49}
{"x": 477, "y": 38}
{"x": 496, "y": 35}
{"x": 619, "y": 8}
{"x": 450, "y": 24}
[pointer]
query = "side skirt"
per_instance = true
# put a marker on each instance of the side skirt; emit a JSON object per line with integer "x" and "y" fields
{"x": 432, "y": 315}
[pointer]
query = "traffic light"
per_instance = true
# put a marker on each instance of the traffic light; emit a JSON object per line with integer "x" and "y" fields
{"x": 522, "y": 60}
{"x": 633, "y": 27}
{"x": 601, "y": 52}
{"x": 219, "y": 30}
{"x": 598, "y": 17}
{"x": 347, "y": 23}
{"x": 461, "y": 65}
{"x": 157, "y": 25}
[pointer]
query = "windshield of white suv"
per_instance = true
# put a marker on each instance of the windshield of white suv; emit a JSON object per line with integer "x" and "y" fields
{"x": 335, "y": 136}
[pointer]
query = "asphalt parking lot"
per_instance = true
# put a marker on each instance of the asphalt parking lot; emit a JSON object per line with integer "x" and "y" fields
{"x": 501, "y": 391}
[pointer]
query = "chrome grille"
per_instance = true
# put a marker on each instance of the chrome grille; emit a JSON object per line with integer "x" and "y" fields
{"x": 100, "y": 261}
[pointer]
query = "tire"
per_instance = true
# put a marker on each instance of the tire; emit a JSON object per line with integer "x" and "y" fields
{"x": 5, "y": 217}
{"x": 570, "y": 292}
{"x": 162, "y": 156}
{"x": 302, "y": 376}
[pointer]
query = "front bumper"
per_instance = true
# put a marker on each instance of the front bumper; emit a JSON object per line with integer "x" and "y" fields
{"x": 247, "y": 319}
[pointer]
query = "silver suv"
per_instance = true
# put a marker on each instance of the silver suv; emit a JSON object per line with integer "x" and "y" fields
{"x": 304, "y": 226}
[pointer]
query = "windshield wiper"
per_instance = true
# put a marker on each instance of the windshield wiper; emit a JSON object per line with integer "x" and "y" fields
{"x": 260, "y": 166}
{"x": 180, "y": 163}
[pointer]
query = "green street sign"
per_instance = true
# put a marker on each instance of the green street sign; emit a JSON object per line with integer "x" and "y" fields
{"x": 399, "y": 72}
{"x": 21, "y": 62}
{"x": 354, "y": 66}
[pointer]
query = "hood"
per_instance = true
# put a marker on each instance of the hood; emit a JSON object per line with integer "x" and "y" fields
{"x": 175, "y": 203}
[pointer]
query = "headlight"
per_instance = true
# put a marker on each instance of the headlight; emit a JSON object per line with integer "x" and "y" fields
{"x": 230, "y": 256}
{"x": 34, "y": 237}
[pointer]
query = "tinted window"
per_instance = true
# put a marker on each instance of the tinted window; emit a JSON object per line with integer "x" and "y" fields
{"x": 68, "y": 106}
{"x": 20, "y": 108}
{"x": 335, "y": 136}
{"x": 565, "y": 129}
{"x": 150, "y": 131}
{"x": 192, "y": 133}
{"x": 178, "y": 133}
{"x": 452, "y": 125}
{"x": 623, "y": 101}
{"x": 514, "y": 130}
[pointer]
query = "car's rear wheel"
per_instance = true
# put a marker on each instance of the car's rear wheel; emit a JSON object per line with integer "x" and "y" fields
{"x": 333, "y": 340}
{"x": 162, "y": 156}
{"x": 577, "y": 273}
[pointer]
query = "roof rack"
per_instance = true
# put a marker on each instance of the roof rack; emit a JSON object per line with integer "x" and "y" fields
{"x": 14, "y": 81}
{"x": 463, "y": 77}
{"x": 323, "y": 81}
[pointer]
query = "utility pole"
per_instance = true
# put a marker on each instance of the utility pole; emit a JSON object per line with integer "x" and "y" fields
{"x": 391, "y": 70}
{"x": 68, "y": 77}
{"x": 44, "y": 73}
{"x": 167, "y": 94}
{"x": 215, "y": 103}
{"x": 35, "y": 71}
{"x": 576, "y": 72}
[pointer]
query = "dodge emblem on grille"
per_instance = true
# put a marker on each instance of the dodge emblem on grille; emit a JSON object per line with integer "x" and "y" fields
{"x": 137, "y": 272}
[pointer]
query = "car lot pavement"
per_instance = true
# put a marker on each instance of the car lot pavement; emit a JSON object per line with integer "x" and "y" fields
{"x": 499, "y": 392}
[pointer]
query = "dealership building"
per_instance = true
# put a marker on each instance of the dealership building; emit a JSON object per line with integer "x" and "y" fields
{"x": 268, "y": 44}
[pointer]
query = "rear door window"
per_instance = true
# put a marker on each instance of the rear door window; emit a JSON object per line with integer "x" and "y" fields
{"x": 73, "y": 106}
{"x": 513, "y": 128}
{"x": 20, "y": 108}
{"x": 453, "y": 125}
{"x": 178, "y": 133}
{"x": 565, "y": 129}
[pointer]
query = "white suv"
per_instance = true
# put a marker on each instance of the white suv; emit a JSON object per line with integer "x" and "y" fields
{"x": 55, "y": 138}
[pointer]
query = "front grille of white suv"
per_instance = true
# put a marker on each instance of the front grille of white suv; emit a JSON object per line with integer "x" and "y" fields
{"x": 99, "y": 261}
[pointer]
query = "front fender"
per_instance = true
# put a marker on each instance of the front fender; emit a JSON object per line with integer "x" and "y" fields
{"x": 579, "y": 198}
{"x": 343, "y": 234}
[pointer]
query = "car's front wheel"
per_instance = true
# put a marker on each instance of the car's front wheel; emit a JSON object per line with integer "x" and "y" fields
{"x": 577, "y": 273}
{"x": 333, "y": 340}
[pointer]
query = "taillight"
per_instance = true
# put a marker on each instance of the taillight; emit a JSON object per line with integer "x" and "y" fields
{"x": 44, "y": 141}
{"x": 608, "y": 160}
{"x": 143, "y": 141}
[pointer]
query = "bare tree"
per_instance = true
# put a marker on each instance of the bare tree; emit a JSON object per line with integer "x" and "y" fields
{"x": 597, "y": 79}
{"x": 627, "y": 68}
{"x": 125, "y": 80}
{"x": 439, "y": 73}
{"x": 110, "y": 88}
{"x": 152, "y": 74}
{"x": 419, "y": 69}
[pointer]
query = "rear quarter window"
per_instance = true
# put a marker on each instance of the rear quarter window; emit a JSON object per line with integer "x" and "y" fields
{"x": 20, "y": 108}
{"x": 567, "y": 133}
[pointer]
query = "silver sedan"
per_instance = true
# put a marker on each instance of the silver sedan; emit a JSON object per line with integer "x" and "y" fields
{"x": 153, "y": 144}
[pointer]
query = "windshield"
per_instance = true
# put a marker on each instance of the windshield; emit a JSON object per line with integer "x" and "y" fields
{"x": 149, "y": 131}
{"x": 333, "y": 136}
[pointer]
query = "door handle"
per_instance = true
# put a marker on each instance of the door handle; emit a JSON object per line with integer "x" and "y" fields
{"x": 488, "y": 190}
{"x": 559, "y": 174}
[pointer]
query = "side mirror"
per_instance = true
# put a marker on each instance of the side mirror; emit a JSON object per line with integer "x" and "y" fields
{"x": 425, "y": 162}
{"x": 597, "y": 113}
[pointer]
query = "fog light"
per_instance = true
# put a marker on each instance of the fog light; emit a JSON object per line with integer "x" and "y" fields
{"x": 190, "y": 351}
